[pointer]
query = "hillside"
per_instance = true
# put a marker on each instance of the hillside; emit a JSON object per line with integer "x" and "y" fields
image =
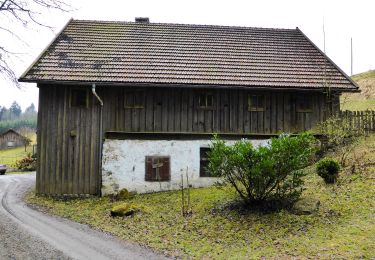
{"x": 365, "y": 99}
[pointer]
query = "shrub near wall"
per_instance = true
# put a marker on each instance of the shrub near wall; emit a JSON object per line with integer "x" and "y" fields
{"x": 26, "y": 164}
{"x": 271, "y": 172}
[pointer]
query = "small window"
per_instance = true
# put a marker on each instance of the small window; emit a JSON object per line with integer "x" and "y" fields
{"x": 158, "y": 168}
{"x": 256, "y": 102}
{"x": 206, "y": 100}
{"x": 79, "y": 98}
{"x": 203, "y": 171}
{"x": 304, "y": 103}
{"x": 134, "y": 99}
{"x": 11, "y": 144}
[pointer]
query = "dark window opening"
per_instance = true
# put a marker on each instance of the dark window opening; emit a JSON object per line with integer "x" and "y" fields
{"x": 158, "y": 168}
{"x": 206, "y": 100}
{"x": 203, "y": 171}
{"x": 304, "y": 103}
{"x": 256, "y": 102}
{"x": 134, "y": 99}
{"x": 79, "y": 98}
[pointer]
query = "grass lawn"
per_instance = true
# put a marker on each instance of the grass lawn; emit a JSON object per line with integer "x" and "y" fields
{"x": 10, "y": 156}
{"x": 343, "y": 228}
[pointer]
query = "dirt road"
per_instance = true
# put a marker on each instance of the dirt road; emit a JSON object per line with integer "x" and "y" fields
{"x": 29, "y": 234}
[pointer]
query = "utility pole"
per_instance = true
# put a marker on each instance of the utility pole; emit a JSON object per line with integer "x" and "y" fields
{"x": 324, "y": 37}
{"x": 351, "y": 56}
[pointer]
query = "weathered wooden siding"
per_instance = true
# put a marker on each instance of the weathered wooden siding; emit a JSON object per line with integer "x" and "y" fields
{"x": 68, "y": 144}
{"x": 69, "y": 136}
{"x": 11, "y": 137}
{"x": 176, "y": 110}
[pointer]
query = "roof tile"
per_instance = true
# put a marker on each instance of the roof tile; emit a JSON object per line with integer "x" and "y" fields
{"x": 126, "y": 52}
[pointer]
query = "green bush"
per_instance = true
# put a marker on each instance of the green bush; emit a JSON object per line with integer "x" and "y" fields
{"x": 27, "y": 164}
{"x": 328, "y": 169}
{"x": 269, "y": 172}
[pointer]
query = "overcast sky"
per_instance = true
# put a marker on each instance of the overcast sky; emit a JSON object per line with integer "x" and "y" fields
{"x": 343, "y": 19}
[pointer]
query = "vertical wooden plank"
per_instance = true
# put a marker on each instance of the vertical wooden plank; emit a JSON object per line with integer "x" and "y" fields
{"x": 289, "y": 114}
{"x": 165, "y": 100}
{"x": 83, "y": 132}
{"x": 94, "y": 178}
{"x": 40, "y": 142}
{"x": 191, "y": 109}
{"x": 196, "y": 113}
{"x": 149, "y": 110}
{"x": 87, "y": 145}
{"x": 273, "y": 112}
{"x": 127, "y": 112}
{"x": 232, "y": 111}
{"x": 246, "y": 112}
{"x": 172, "y": 96}
{"x": 280, "y": 112}
{"x": 240, "y": 111}
{"x": 184, "y": 110}
{"x": 226, "y": 112}
{"x": 253, "y": 122}
{"x": 307, "y": 121}
{"x": 66, "y": 141}
{"x": 218, "y": 111}
{"x": 158, "y": 111}
{"x": 267, "y": 113}
{"x": 59, "y": 144}
{"x": 47, "y": 180}
{"x": 177, "y": 111}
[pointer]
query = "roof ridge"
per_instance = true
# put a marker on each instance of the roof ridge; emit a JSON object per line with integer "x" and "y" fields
{"x": 185, "y": 25}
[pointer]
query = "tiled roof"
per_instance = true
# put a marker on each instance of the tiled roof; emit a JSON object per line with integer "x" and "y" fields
{"x": 127, "y": 52}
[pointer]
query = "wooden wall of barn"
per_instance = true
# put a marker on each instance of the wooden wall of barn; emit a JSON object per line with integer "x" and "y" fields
{"x": 176, "y": 110}
{"x": 13, "y": 137}
{"x": 68, "y": 144}
{"x": 69, "y": 136}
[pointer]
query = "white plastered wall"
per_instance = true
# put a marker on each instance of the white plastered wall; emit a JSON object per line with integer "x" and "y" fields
{"x": 123, "y": 164}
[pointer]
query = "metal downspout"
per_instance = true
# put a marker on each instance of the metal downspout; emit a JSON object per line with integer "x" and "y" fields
{"x": 100, "y": 135}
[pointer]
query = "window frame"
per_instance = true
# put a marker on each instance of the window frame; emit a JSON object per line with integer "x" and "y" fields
{"x": 301, "y": 99}
{"x": 256, "y": 108}
{"x": 135, "y": 98}
{"x": 206, "y": 95}
{"x": 166, "y": 163}
{"x": 203, "y": 159}
{"x": 73, "y": 100}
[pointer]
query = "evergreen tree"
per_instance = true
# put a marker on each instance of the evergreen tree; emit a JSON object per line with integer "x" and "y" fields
{"x": 15, "y": 110}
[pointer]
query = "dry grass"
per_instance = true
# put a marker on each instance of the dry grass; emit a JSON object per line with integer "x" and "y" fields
{"x": 343, "y": 228}
{"x": 364, "y": 100}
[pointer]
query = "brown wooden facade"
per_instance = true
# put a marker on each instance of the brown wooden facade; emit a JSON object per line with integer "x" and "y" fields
{"x": 11, "y": 139}
{"x": 68, "y": 144}
{"x": 69, "y": 124}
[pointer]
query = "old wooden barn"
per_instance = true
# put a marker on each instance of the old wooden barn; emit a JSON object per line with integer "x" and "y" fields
{"x": 11, "y": 139}
{"x": 134, "y": 104}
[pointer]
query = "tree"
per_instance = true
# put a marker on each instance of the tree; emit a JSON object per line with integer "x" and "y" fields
{"x": 4, "y": 114}
{"x": 30, "y": 109}
{"x": 24, "y": 13}
{"x": 15, "y": 110}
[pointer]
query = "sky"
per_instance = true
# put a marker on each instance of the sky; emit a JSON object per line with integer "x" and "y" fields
{"x": 342, "y": 21}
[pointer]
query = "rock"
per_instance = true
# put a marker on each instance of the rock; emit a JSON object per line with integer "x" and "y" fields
{"x": 306, "y": 206}
{"x": 124, "y": 209}
{"x": 124, "y": 194}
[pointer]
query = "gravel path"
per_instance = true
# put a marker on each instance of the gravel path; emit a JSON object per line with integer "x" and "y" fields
{"x": 29, "y": 234}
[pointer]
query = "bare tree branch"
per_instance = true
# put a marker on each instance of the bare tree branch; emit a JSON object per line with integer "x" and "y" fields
{"x": 24, "y": 12}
